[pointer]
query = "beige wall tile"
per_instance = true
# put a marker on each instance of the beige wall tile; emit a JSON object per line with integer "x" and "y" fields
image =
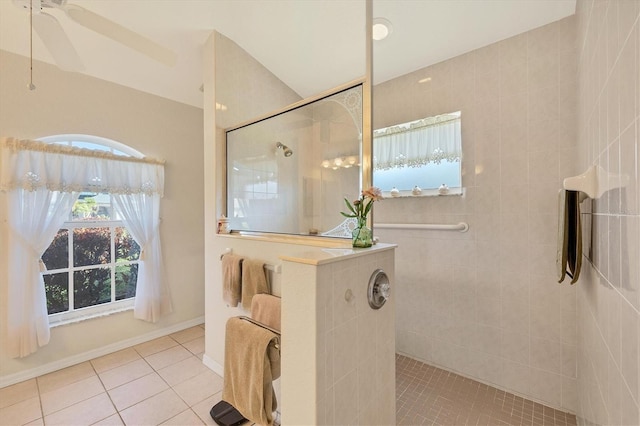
{"x": 607, "y": 339}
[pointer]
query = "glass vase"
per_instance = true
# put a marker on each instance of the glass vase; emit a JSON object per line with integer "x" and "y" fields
{"x": 362, "y": 235}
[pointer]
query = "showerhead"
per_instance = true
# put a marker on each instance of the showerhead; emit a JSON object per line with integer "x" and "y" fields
{"x": 287, "y": 151}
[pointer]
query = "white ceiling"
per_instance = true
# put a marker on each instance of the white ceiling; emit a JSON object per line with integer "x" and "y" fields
{"x": 311, "y": 45}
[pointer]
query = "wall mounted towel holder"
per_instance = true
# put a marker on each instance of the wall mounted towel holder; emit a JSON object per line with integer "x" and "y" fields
{"x": 274, "y": 268}
{"x": 595, "y": 182}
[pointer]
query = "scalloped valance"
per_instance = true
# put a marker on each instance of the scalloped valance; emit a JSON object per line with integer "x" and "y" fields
{"x": 415, "y": 144}
{"x": 33, "y": 165}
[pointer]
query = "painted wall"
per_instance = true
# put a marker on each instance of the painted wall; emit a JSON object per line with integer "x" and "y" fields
{"x": 230, "y": 78}
{"x": 73, "y": 103}
{"x": 486, "y": 303}
{"x": 609, "y": 292}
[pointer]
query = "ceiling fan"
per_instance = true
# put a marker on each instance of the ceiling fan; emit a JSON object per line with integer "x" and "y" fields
{"x": 57, "y": 42}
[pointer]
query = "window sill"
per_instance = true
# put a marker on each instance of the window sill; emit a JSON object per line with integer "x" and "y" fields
{"x": 65, "y": 318}
{"x": 425, "y": 193}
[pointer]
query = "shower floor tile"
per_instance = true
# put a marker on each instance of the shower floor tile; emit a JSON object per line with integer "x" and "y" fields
{"x": 427, "y": 395}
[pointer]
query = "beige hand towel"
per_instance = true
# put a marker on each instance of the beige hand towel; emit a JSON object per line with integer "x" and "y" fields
{"x": 254, "y": 281}
{"x": 250, "y": 361}
{"x": 569, "y": 255}
{"x": 231, "y": 278}
{"x": 265, "y": 308}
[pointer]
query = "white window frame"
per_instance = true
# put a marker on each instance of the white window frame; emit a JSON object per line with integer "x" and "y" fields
{"x": 81, "y": 314}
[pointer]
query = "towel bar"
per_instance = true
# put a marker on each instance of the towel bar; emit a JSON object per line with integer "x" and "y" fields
{"x": 274, "y": 268}
{"x": 259, "y": 324}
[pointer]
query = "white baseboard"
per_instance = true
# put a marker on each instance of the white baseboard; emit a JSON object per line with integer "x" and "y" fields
{"x": 213, "y": 365}
{"x": 95, "y": 353}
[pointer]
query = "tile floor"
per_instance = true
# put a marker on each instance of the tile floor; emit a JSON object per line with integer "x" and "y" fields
{"x": 427, "y": 395}
{"x": 163, "y": 382}
{"x": 159, "y": 382}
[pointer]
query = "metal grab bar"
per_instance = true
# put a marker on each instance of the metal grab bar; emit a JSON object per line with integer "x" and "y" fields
{"x": 461, "y": 227}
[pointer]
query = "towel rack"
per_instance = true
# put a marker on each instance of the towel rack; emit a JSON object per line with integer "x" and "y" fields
{"x": 276, "y": 269}
{"x": 259, "y": 324}
{"x": 595, "y": 182}
{"x": 462, "y": 226}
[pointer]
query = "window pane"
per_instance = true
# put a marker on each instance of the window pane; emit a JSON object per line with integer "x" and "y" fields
{"x": 57, "y": 289}
{"x": 57, "y": 255}
{"x": 126, "y": 279}
{"x": 91, "y": 246}
{"x": 91, "y": 287}
{"x": 126, "y": 247}
{"x": 92, "y": 206}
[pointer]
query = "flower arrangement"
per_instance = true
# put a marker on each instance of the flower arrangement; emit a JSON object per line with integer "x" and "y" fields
{"x": 362, "y": 206}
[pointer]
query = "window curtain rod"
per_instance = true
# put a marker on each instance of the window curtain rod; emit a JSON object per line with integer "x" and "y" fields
{"x": 31, "y": 145}
{"x": 34, "y": 164}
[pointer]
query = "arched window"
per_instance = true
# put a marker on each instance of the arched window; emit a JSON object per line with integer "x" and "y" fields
{"x": 92, "y": 262}
{"x": 87, "y": 210}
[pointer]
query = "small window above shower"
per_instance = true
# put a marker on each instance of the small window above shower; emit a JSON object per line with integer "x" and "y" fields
{"x": 418, "y": 158}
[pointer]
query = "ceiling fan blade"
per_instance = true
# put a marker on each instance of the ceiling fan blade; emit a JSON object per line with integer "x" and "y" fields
{"x": 56, "y": 41}
{"x": 120, "y": 34}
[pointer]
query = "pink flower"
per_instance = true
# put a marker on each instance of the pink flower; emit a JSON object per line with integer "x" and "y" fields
{"x": 374, "y": 193}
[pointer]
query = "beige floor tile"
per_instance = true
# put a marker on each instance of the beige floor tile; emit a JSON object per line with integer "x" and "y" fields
{"x": 37, "y": 422}
{"x": 115, "y": 359}
{"x": 153, "y": 346}
{"x": 66, "y": 376}
{"x": 17, "y": 393}
{"x": 125, "y": 373}
{"x": 187, "y": 417}
{"x": 86, "y": 412}
{"x": 188, "y": 334}
{"x": 183, "y": 370}
{"x": 154, "y": 410}
{"x": 137, "y": 390}
{"x": 167, "y": 357}
{"x": 68, "y": 395}
{"x": 199, "y": 388}
{"x": 22, "y": 412}
{"x": 113, "y": 420}
{"x": 203, "y": 409}
{"x": 195, "y": 346}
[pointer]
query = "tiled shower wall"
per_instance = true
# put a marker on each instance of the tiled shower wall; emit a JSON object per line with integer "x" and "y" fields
{"x": 609, "y": 292}
{"x": 486, "y": 303}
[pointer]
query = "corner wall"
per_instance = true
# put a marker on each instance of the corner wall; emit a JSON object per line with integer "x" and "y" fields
{"x": 609, "y": 291}
{"x": 74, "y": 103}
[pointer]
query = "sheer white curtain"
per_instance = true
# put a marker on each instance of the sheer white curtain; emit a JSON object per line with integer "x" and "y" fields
{"x": 419, "y": 143}
{"x": 141, "y": 215}
{"x": 42, "y": 181}
{"x": 34, "y": 219}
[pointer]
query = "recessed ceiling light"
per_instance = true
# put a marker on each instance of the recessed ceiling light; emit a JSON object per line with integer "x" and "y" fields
{"x": 381, "y": 28}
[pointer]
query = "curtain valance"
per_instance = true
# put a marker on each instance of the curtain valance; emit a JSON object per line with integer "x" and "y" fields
{"x": 419, "y": 143}
{"x": 34, "y": 165}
